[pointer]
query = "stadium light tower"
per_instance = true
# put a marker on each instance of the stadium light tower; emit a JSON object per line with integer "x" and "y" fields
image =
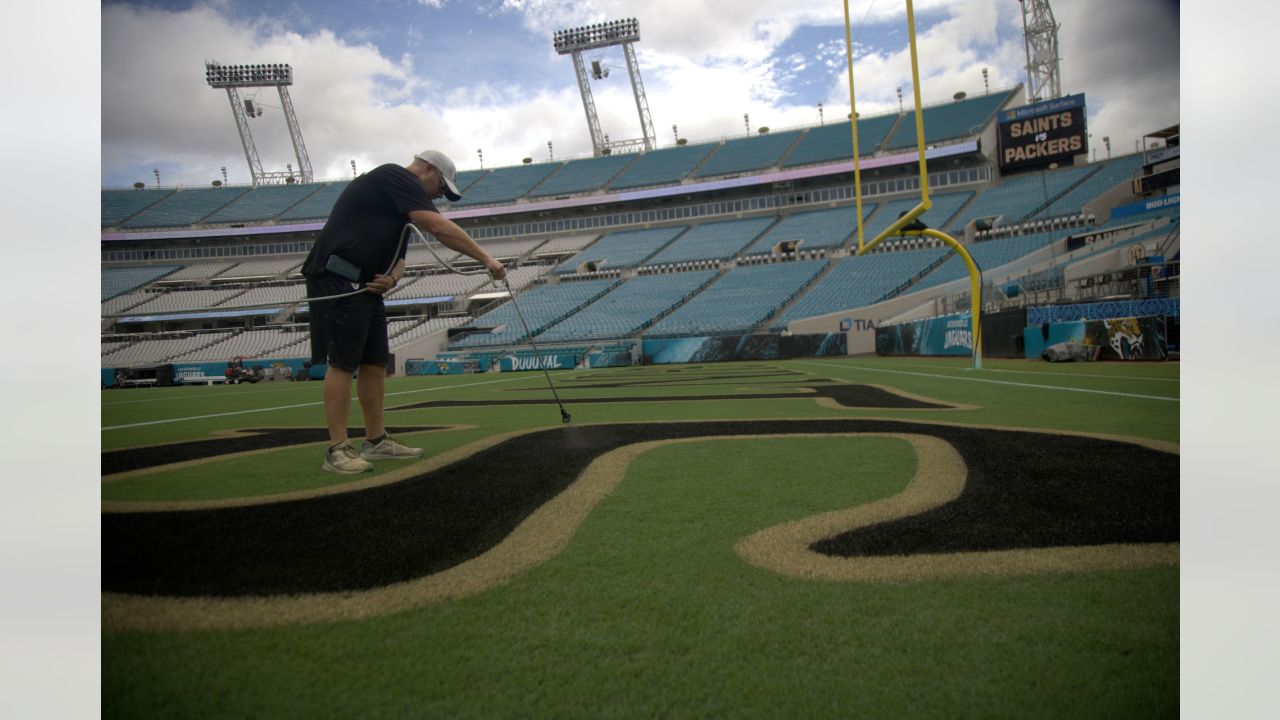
{"x": 1040, "y": 38}
{"x": 589, "y": 37}
{"x": 279, "y": 76}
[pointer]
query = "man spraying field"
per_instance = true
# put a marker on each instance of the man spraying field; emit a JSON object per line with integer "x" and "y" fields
{"x": 361, "y": 244}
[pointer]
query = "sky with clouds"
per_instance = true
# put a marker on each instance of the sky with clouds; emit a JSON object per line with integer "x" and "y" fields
{"x": 377, "y": 80}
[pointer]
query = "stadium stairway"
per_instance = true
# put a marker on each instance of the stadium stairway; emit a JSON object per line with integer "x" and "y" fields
{"x": 782, "y": 159}
{"x": 693, "y": 171}
{"x": 1083, "y": 179}
{"x": 888, "y": 136}
{"x": 764, "y": 327}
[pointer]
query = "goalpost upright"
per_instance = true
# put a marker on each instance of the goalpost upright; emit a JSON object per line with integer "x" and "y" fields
{"x": 975, "y": 273}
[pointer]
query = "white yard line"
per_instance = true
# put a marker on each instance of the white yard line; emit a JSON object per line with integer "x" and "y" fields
{"x": 188, "y": 398}
{"x": 290, "y": 407}
{"x": 1052, "y": 374}
{"x": 996, "y": 382}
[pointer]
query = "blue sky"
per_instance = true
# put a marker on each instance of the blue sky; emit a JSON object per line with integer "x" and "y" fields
{"x": 377, "y": 80}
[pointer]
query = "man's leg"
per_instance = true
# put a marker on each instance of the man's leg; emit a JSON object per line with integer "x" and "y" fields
{"x": 337, "y": 402}
{"x": 370, "y": 387}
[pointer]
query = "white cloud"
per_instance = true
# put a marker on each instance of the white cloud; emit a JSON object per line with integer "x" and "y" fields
{"x": 704, "y": 64}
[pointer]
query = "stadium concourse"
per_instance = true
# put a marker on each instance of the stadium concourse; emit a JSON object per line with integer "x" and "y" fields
{"x": 619, "y": 258}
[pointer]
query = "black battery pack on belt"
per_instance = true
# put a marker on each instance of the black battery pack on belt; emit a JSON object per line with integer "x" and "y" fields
{"x": 343, "y": 268}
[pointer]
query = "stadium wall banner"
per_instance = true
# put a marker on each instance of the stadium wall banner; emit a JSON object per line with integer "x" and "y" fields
{"x": 1036, "y": 338}
{"x": 419, "y": 366}
{"x": 515, "y": 363}
{"x": 1042, "y": 314}
{"x": 609, "y": 359}
{"x": 1142, "y": 206}
{"x": 762, "y": 346}
{"x": 1129, "y": 338}
{"x": 186, "y": 371}
{"x": 945, "y": 335}
{"x": 108, "y": 377}
{"x": 1032, "y": 136}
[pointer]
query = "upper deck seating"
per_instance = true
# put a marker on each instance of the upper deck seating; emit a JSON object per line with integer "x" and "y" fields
{"x": 834, "y": 142}
{"x": 504, "y": 185}
{"x": 318, "y": 205}
{"x": 184, "y": 207}
{"x": 953, "y": 120}
{"x": 580, "y": 176}
{"x": 118, "y": 205}
{"x": 747, "y": 154}
{"x": 263, "y": 203}
{"x": 662, "y": 167}
{"x": 466, "y": 178}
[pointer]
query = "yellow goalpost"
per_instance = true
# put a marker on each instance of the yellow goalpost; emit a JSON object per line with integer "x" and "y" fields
{"x": 975, "y": 274}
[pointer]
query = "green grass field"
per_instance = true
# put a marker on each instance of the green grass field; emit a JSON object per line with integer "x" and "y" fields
{"x": 648, "y": 610}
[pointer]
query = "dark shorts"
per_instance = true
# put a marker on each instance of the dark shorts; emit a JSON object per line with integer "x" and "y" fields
{"x": 347, "y": 332}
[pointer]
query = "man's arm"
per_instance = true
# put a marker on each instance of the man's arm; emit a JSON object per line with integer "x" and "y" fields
{"x": 455, "y": 238}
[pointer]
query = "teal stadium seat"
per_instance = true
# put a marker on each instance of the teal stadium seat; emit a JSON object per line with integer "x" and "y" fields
{"x": 748, "y": 154}
{"x": 184, "y": 207}
{"x": 950, "y": 121}
{"x": 119, "y": 205}
{"x": 834, "y": 142}
{"x": 623, "y": 249}
{"x": 1109, "y": 174}
{"x": 542, "y": 306}
{"x": 628, "y": 308}
{"x": 263, "y": 203}
{"x": 580, "y": 176}
{"x": 989, "y": 255}
{"x": 828, "y": 228}
{"x": 945, "y": 205}
{"x": 504, "y": 185}
{"x": 316, "y": 206}
{"x": 740, "y": 300}
{"x": 467, "y": 178}
{"x": 116, "y": 281}
{"x": 859, "y": 280}
{"x": 1019, "y": 195}
{"x": 662, "y": 167}
{"x": 712, "y": 241}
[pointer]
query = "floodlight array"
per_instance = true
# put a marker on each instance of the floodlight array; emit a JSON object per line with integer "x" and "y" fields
{"x": 221, "y": 76}
{"x": 614, "y": 32}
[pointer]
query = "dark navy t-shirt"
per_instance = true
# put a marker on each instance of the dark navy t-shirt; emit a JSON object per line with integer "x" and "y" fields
{"x": 365, "y": 224}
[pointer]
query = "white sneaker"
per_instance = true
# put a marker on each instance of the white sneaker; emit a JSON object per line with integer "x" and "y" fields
{"x": 344, "y": 459}
{"x": 388, "y": 449}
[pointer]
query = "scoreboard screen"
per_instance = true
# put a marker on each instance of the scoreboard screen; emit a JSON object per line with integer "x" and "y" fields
{"x": 1035, "y": 135}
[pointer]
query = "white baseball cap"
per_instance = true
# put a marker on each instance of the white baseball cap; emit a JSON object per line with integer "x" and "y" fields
{"x": 442, "y": 163}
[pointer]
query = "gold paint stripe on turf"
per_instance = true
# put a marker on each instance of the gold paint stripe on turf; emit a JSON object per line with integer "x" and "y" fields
{"x": 364, "y": 482}
{"x": 547, "y": 532}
